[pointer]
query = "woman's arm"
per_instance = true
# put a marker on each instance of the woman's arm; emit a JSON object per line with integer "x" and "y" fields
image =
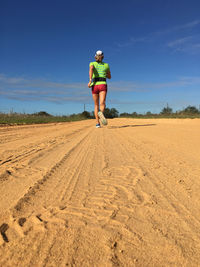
{"x": 91, "y": 72}
{"x": 90, "y": 75}
{"x": 108, "y": 74}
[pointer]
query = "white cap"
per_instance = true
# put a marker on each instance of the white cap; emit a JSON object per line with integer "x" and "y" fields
{"x": 99, "y": 53}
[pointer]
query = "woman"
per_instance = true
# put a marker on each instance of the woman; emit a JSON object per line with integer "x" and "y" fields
{"x": 98, "y": 73}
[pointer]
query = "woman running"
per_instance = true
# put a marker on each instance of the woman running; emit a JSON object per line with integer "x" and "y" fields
{"x": 98, "y": 73}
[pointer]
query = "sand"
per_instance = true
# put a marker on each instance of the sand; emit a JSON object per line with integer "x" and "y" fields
{"x": 127, "y": 194}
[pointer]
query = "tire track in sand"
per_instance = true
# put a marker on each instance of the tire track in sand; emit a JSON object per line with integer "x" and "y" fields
{"x": 101, "y": 205}
{"x": 171, "y": 212}
{"x": 36, "y": 212}
{"x": 78, "y": 197}
{"x": 26, "y": 155}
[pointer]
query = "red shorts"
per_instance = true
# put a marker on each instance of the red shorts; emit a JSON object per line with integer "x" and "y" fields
{"x": 96, "y": 89}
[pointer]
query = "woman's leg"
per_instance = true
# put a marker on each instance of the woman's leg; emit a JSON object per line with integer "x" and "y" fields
{"x": 96, "y": 106}
{"x": 102, "y": 97}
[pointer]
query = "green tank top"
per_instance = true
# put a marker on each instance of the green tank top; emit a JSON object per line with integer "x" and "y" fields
{"x": 100, "y": 70}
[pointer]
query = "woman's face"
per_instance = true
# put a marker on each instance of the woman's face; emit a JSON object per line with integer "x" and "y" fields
{"x": 99, "y": 58}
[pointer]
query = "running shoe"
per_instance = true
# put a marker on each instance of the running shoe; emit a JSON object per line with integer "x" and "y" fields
{"x": 98, "y": 125}
{"x": 102, "y": 118}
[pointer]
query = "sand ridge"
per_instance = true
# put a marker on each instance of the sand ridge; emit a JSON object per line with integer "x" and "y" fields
{"x": 123, "y": 195}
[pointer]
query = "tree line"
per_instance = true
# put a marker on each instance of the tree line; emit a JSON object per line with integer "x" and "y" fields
{"x": 166, "y": 111}
{"x": 189, "y": 111}
{"x": 111, "y": 113}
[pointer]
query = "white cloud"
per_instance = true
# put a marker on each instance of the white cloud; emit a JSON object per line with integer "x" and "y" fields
{"x": 132, "y": 41}
{"x": 188, "y": 44}
{"x": 188, "y": 25}
{"x": 180, "y": 41}
{"x": 165, "y": 33}
{"x": 39, "y": 89}
{"x": 139, "y": 103}
{"x": 178, "y": 28}
{"x": 36, "y": 90}
{"x": 11, "y": 80}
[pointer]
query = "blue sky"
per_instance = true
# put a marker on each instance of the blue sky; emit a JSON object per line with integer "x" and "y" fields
{"x": 152, "y": 47}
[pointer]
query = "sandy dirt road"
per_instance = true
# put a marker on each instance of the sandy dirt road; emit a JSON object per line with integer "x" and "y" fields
{"x": 124, "y": 195}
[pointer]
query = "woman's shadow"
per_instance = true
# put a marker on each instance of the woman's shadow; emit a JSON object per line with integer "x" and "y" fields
{"x": 125, "y": 126}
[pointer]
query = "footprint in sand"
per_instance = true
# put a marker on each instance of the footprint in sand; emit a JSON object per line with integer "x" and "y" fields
{"x": 129, "y": 174}
{"x": 124, "y": 179}
{"x": 18, "y": 227}
{"x": 10, "y": 230}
